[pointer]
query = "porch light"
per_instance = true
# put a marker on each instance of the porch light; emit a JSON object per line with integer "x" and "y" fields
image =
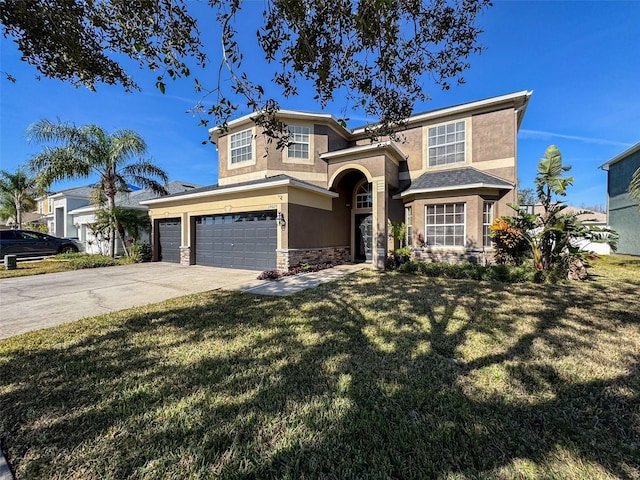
{"x": 280, "y": 220}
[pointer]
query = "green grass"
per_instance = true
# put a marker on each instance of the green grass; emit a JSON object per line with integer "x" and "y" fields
{"x": 61, "y": 263}
{"x": 379, "y": 375}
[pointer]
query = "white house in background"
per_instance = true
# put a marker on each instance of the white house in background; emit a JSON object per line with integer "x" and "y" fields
{"x": 56, "y": 207}
{"x": 589, "y": 218}
{"x": 69, "y": 213}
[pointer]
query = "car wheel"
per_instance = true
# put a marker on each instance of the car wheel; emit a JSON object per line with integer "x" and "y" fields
{"x": 68, "y": 249}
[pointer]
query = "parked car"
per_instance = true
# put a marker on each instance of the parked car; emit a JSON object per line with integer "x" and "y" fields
{"x": 25, "y": 243}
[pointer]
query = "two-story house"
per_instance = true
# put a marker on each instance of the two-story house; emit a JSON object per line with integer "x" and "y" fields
{"x": 622, "y": 211}
{"x": 330, "y": 195}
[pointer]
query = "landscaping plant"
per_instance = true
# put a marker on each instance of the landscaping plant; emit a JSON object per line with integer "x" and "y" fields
{"x": 551, "y": 236}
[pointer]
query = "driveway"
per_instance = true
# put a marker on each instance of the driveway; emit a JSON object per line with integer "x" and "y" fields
{"x": 41, "y": 301}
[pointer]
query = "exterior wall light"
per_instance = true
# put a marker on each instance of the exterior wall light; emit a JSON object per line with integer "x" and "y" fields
{"x": 280, "y": 220}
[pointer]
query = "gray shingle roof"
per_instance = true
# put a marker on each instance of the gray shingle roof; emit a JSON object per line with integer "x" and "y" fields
{"x": 464, "y": 177}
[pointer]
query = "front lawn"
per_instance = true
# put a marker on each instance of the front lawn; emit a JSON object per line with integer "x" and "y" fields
{"x": 379, "y": 375}
{"x": 61, "y": 263}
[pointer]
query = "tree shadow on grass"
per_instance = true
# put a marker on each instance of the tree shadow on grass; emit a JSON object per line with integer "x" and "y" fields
{"x": 375, "y": 376}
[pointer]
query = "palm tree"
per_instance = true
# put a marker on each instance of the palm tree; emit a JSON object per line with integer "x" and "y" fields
{"x": 16, "y": 194}
{"x": 80, "y": 152}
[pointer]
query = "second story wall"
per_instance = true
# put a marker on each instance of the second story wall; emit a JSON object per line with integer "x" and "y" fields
{"x": 245, "y": 154}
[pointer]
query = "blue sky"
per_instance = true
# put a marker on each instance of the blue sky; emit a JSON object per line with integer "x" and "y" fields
{"x": 580, "y": 58}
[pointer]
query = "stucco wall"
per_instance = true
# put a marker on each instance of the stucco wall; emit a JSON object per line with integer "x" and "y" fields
{"x": 493, "y": 135}
{"x": 624, "y": 215}
{"x": 474, "y": 206}
{"x": 310, "y": 227}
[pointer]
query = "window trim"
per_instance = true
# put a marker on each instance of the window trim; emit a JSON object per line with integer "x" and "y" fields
{"x": 357, "y": 193}
{"x": 464, "y": 142}
{"x": 243, "y": 163}
{"x": 310, "y": 159}
{"x": 486, "y": 235}
{"x": 428, "y": 236}
{"x": 408, "y": 222}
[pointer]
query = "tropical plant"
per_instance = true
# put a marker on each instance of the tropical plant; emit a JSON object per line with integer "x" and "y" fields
{"x": 81, "y": 152}
{"x": 128, "y": 223}
{"x": 634, "y": 187}
{"x": 17, "y": 192}
{"x": 510, "y": 247}
{"x": 551, "y": 236}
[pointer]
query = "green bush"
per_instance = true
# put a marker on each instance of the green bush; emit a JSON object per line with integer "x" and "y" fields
{"x": 471, "y": 271}
{"x": 141, "y": 252}
{"x": 92, "y": 261}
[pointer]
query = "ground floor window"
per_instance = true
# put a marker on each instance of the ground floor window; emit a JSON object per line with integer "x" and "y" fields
{"x": 409, "y": 227}
{"x": 487, "y": 220}
{"x": 445, "y": 224}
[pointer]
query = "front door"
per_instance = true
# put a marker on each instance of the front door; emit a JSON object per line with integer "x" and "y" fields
{"x": 364, "y": 237}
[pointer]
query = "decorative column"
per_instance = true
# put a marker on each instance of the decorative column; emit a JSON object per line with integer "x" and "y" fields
{"x": 380, "y": 223}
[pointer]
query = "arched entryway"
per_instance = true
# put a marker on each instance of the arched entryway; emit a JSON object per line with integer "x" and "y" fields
{"x": 362, "y": 220}
{"x": 356, "y": 192}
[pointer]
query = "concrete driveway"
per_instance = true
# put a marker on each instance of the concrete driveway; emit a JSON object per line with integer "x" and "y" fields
{"x": 41, "y": 301}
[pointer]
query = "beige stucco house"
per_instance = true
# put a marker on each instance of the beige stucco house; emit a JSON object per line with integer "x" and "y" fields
{"x": 330, "y": 195}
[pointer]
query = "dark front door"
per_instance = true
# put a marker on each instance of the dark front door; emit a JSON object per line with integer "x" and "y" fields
{"x": 169, "y": 240}
{"x": 364, "y": 237}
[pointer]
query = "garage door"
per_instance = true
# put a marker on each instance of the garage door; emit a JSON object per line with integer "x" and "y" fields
{"x": 169, "y": 240}
{"x": 246, "y": 240}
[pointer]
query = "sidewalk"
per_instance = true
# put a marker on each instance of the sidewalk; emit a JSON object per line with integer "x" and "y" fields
{"x": 296, "y": 283}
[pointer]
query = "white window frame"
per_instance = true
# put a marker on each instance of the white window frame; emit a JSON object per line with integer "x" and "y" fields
{"x": 437, "y": 228}
{"x": 50, "y": 204}
{"x": 447, "y": 144}
{"x": 364, "y": 199}
{"x": 298, "y": 141}
{"x": 408, "y": 221}
{"x": 487, "y": 220}
{"x": 246, "y": 144}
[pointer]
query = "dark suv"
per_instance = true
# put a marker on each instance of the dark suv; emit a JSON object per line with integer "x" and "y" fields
{"x": 25, "y": 243}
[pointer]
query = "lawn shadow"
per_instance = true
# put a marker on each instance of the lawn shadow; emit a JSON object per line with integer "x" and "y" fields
{"x": 374, "y": 376}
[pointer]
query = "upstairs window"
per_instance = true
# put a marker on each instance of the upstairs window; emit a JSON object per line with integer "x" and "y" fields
{"x": 241, "y": 147}
{"x": 300, "y": 140}
{"x": 446, "y": 144}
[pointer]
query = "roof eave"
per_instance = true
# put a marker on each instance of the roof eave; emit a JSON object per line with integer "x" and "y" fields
{"x": 469, "y": 186}
{"x": 629, "y": 151}
{"x": 519, "y": 100}
{"x": 364, "y": 148}
{"x": 244, "y": 188}
{"x": 217, "y": 131}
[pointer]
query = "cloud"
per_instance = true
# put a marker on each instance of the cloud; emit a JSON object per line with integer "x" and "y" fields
{"x": 600, "y": 141}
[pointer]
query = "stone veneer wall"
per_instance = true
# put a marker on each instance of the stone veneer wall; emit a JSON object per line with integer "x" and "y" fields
{"x": 480, "y": 257}
{"x": 185, "y": 256}
{"x": 293, "y": 257}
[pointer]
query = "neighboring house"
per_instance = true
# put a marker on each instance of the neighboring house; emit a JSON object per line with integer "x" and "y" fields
{"x": 71, "y": 214}
{"x": 622, "y": 211}
{"x": 330, "y": 195}
{"x": 56, "y": 208}
{"x": 588, "y": 218}
{"x": 28, "y": 218}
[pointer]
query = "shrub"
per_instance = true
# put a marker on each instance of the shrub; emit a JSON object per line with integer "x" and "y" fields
{"x": 471, "y": 271}
{"x": 92, "y": 261}
{"x": 141, "y": 252}
{"x": 302, "y": 268}
{"x": 510, "y": 246}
